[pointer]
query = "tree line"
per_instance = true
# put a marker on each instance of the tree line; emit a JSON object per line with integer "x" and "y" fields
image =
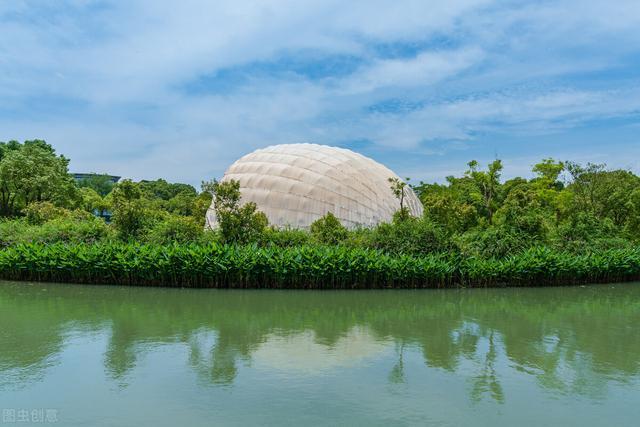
{"x": 565, "y": 206}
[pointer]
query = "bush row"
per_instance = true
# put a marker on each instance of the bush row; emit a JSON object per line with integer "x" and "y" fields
{"x": 319, "y": 267}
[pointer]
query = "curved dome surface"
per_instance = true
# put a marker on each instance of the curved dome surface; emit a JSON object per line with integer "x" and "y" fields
{"x": 295, "y": 184}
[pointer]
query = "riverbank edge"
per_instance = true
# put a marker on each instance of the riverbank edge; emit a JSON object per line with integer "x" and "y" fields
{"x": 306, "y": 267}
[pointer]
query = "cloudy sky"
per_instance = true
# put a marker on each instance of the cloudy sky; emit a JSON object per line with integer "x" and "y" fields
{"x": 180, "y": 89}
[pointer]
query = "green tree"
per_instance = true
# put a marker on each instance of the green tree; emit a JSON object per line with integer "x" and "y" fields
{"x": 448, "y": 205}
{"x": 399, "y": 189}
{"x": 32, "y": 172}
{"x": 190, "y": 204}
{"x": 237, "y": 223}
{"x": 487, "y": 186}
{"x": 601, "y": 192}
{"x": 37, "y": 213}
{"x": 416, "y": 236}
{"x": 175, "y": 229}
{"x": 548, "y": 188}
{"x": 633, "y": 222}
{"x": 328, "y": 229}
{"x": 92, "y": 201}
{"x": 132, "y": 214}
{"x": 201, "y": 206}
{"x": 161, "y": 189}
{"x": 100, "y": 183}
{"x": 522, "y": 211}
{"x": 183, "y": 203}
{"x": 548, "y": 171}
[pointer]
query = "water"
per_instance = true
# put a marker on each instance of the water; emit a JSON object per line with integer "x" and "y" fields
{"x": 90, "y": 355}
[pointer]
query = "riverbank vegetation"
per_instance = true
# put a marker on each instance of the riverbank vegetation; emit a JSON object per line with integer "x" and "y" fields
{"x": 305, "y": 267}
{"x": 566, "y": 223}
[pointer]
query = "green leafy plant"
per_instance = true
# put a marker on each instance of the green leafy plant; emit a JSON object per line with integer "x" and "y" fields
{"x": 133, "y": 215}
{"x": 328, "y": 229}
{"x": 237, "y": 222}
{"x": 321, "y": 267}
{"x": 175, "y": 228}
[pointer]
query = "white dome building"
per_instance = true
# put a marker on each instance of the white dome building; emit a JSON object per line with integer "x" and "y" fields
{"x": 295, "y": 184}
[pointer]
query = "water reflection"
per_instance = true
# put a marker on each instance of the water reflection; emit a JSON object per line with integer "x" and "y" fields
{"x": 569, "y": 340}
{"x": 303, "y": 353}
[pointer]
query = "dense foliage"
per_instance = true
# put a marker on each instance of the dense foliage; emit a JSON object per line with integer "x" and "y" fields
{"x": 328, "y": 229}
{"x": 41, "y": 202}
{"x": 565, "y": 209}
{"x": 237, "y": 223}
{"x": 565, "y": 206}
{"x": 321, "y": 267}
{"x": 32, "y": 172}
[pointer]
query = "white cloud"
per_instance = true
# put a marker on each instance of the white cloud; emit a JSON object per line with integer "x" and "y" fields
{"x": 507, "y": 114}
{"x": 469, "y": 67}
{"x": 424, "y": 69}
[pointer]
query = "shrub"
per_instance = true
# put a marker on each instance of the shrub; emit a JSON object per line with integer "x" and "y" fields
{"x": 409, "y": 235}
{"x": 493, "y": 242}
{"x": 284, "y": 238}
{"x": 584, "y": 232}
{"x": 92, "y": 201}
{"x": 174, "y": 228}
{"x": 62, "y": 229}
{"x": 237, "y": 223}
{"x": 328, "y": 230}
{"x": 361, "y": 238}
{"x": 321, "y": 267}
{"x": 132, "y": 214}
{"x": 522, "y": 211}
{"x": 38, "y": 213}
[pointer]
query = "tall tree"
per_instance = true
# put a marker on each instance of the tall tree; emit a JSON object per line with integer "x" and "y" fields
{"x": 601, "y": 192}
{"x": 487, "y": 184}
{"x": 399, "y": 189}
{"x": 237, "y": 222}
{"x": 132, "y": 213}
{"x": 32, "y": 172}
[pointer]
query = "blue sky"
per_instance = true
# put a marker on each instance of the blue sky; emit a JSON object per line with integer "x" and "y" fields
{"x": 179, "y": 90}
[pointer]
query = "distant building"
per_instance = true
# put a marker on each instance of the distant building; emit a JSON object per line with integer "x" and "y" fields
{"x": 100, "y": 213}
{"x": 82, "y": 176}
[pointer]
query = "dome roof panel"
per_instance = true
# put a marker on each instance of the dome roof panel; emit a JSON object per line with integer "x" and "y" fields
{"x": 295, "y": 184}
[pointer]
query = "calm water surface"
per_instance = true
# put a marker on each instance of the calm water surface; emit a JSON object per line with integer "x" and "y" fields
{"x": 170, "y": 357}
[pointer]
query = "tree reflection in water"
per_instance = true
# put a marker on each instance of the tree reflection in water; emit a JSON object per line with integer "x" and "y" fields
{"x": 486, "y": 382}
{"x": 569, "y": 339}
{"x": 397, "y": 376}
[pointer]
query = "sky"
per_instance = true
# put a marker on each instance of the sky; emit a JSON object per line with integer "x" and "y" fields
{"x": 152, "y": 89}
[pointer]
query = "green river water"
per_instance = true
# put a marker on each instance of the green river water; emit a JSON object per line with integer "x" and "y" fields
{"x": 115, "y": 356}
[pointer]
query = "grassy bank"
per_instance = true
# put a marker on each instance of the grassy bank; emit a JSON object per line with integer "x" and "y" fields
{"x": 330, "y": 267}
